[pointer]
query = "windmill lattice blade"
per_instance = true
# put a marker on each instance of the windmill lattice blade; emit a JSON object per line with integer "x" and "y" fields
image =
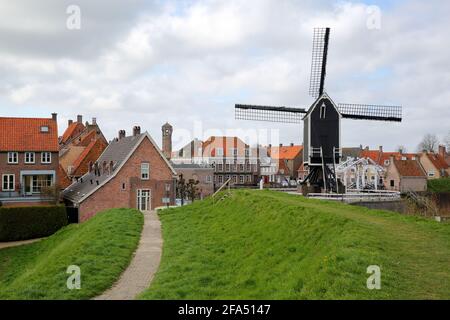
{"x": 269, "y": 113}
{"x": 370, "y": 112}
{"x": 319, "y": 61}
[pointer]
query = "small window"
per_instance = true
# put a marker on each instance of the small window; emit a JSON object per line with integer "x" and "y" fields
{"x": 44, "y": 129}
{"x": 234, "y": 179}
{"x": 392, "y": 183}
{"x": 46, "y": 157}
{"x": 248, "y": 152}
{"x": 249, "y": 168}
{"x": 227, "y": 167}
{"x": 8, "y": 182}
{"x": 386, "y": 162}
{"x": 219, "y": 152}
{"x": 233, "y": 151}
{"x": 241, "y": 179}
{"x": 13, "y": 157}
{"x": 124, "y": 186}
{"x": 249, "y": 178}
{"x": 431, "y": 173}
{"x": 220, "y": 179}
{"x": 145, "y": 171}
{"x": 323, "y": 110}
{"x": 220, "y": 167}
{"x": 208, "y": 179}
{"x": 404, "y": 158}
{"x": 29, "y": 157}
{"x": 241, "y": 167}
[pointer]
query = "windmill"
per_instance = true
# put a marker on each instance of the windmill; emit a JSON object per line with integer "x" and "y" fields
{"x": 322, "y": 149}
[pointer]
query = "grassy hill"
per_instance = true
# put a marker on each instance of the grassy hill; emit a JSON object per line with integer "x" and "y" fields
{"x": 268, "y": 245}
{"x": 101, "y": 247}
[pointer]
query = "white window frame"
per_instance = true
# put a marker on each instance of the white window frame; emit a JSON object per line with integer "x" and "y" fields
{"x": 220, "y": 167}
{"x": 387, "y": 162}
{"x": 13, "y": 157}
{"x": 248, "y": 152}
{"x": 208, "y": 179}
{"x": 241, "y": 179}
{"x": 27, "y": 160}
{"x": 145, "y": 171}
{"x": 219, "y": 152}
{"x": 431, "y": 173}
{"x": 227, "y": 167}
{"x": 220, "y": 179}
{"x": 46, "y": 157}
{"x": 8, "y": 176}
{"x": 45, "y": 129}
{"x": 233, "y": 151}
{"x": 323, "y": 111}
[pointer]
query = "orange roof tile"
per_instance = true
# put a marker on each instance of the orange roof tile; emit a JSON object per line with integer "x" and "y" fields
{"x": 64, "y": 180}
{"x": 68, "y": 134}
{"x": 409, "y": 168}
{"x": 24, "y": 134}
{"x": 438, "y": 161}
{"x": 285, "y": 152}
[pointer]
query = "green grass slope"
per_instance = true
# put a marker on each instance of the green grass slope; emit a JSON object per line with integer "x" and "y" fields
{"x": 269, "y": 245}
{"x": 102, "y": 247}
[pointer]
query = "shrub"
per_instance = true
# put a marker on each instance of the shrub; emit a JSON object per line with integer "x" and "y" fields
{"x": 23, "y": 223}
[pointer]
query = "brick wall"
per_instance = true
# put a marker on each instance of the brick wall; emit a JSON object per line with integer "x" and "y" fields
{"x": 111, "y": 195}
{"x": 15, "y": 169}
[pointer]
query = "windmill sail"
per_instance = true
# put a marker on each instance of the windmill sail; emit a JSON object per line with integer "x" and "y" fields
{"x": 269, "y": 113}
{"x": 319, "y": 61}
{"x": 370, "y": 112}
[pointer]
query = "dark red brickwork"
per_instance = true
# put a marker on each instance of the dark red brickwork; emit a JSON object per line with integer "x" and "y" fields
{"x": 111, "y": 194}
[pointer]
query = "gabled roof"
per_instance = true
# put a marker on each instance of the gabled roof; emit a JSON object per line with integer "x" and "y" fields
{"x": 409, "y": 168}
{"x": 316, "y": 103}
{"x": 68, "y": 134}
{"x": 223, "y": 142}
{"x": 118, "y": 151}
{"x": 438, "y": 161}
{"x": 285, "y": 152}
{"x": 24, "y": 134}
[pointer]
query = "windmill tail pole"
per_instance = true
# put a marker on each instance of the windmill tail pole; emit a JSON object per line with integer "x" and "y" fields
{"x": 324, "y": 61}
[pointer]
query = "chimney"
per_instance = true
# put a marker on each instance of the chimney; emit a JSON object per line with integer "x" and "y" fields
{"x": 292, "y": 144}
{"x": 270, "y": 146}
{"x": 94, "y": 121}
{"x": 136, "y": 131}
{"x": 442, "y": 151}
{"x": 381, "y": 148}
{"x": 79, "y": 118}
{"x": 54, "y": 116}
{"x": 69, "y": 123}
{"x": 281, "y": 144}
{"x": 122, "y": 134}
{"x": 90, "y": 166}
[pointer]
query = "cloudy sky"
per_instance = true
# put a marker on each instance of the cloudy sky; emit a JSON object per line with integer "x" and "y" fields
{"x": 188, "y": 62}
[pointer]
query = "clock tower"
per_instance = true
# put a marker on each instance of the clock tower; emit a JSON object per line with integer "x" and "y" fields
{"x": 167, "y": 140}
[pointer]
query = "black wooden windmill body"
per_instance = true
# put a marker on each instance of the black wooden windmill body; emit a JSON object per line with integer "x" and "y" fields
{"x": 322, "y": 148}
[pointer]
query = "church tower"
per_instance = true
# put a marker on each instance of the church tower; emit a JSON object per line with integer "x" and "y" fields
{"x": 167, "y": 140}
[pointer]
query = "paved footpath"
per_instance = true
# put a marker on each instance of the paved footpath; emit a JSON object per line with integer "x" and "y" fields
{"x": 137, "y": 277}
{"x": 17, "y": 243}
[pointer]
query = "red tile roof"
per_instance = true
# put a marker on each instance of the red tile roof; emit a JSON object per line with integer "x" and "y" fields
{"x": 380, "y": 156}
{"x": 438, "y": 161}
{"x": 409, "y": 168}
{"x": 285, "y": 152}
{"x": 24, "y": 134}
{"x": 71, "y": 130}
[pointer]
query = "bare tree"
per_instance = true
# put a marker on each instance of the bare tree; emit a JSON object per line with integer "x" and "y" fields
{"x": 447, "y": 141}
{"x": 430, "y": 142}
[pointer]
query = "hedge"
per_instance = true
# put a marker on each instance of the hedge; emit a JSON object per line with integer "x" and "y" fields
{"x": 439, "y": 185}
{"x": 24, "y": 223}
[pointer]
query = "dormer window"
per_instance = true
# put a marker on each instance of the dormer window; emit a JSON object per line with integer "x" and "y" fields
{"x": 44, "y": 129}
{"x": 323, "y": 110}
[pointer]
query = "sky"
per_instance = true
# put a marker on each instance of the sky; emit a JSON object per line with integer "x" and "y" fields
{"x": 188, "y": 62}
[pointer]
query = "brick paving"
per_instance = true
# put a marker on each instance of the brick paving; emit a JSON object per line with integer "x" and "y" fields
{"x": 137, "y": 277}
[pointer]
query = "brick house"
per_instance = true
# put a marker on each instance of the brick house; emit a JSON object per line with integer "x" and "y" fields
{"x": 230, "y": 157}
{"x": 132, "y": 172}
{"x": 405, "y": 175}
{"x": 435, "y": 164}
{"x": 288, "y": 160}
{"x": 204, "y": 174}
{"x": 29, "y": 159}
{"x": 79, "y": 145}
